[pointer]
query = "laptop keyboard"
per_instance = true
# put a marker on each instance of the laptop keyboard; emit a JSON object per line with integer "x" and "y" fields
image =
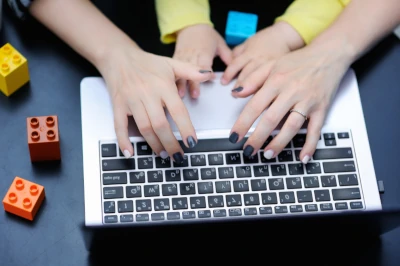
{"x": 217, "y": 182}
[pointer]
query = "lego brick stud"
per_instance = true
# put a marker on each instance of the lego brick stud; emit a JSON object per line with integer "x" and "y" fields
{"x": 24, "y": 198}
{"x": 239, "y": 27}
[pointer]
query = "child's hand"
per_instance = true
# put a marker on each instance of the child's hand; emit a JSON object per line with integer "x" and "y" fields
{"x": 266, "y": 45}
{"x": 199, "y": 44}
{"x": 142, "y": 84}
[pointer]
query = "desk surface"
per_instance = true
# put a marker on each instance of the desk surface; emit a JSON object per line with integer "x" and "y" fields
{"x": 54, "y": 238}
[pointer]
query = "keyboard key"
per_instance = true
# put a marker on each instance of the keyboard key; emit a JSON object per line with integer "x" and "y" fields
{"x": 299, "y": 140}
{"x": 286, "y": 197}
{"x": 215, "y": 201}
{"x": 151, "y": 190}
{"x": 346, "y": 193}
{"x": 126, "y": 218}
{"x": 216, "y": 159}
{"x": 125, "y": 206}
{"x": 169, "y": 189}
{"x": 179, "y": 203}
{"x": 205, "y": 187}
{"x": 233, "y": 158}
{"x": 265, "y": 210}
{"x": 281, "y": 209}
{"x": 114, "y": 178}
{"x": 293, "y": 182}
{"x": 173, "y": 216}
{"x": 258, "y": 184}
{"x": 118, "y": 164}
{"x": 109, "y": 150}
{"x": 343, "y": 135}
{"x": 142, "y": 217}
{"x": 285, "y": 156}
{"x": 155, "y": 176}
{"x": 204, "y": 214}
{"x": 235, "y": 212}
{"x": 109, "y": 207}
{"x": 341, "y": 206}
{"x": 240, "y": 185}
{"x": 296, "y": 169}
{"x": 251, "y": 199}
{"x": 276, "y": 183}
{"x": 356, "y": 205}
{"x": 157, "y": 216}
{"x": 225, "y": 172}
{"x": 187, "y": 188}
{"x": 328, "y": 181}
{"x": 137, "y": 177}
{"x": 326, "y": 206}
{"x": 260, "y": 170}
{"x": 185, "y": 162}
{"x": 322, "y": 195}
{"x": 250, "y": 159}
{"x": 143, "y": 205}
{"x": 208, "y": 173}
{"x": 198, "y": 160}
{"x": 223, "y": 186}
{"x": 198, "y": 202}
{"x": 278, "y": 169}
{"x": 296, "y": 208}
{"x": 163, "y": 163}
{"x": 333, "y": 153}
{"x": 113, "y": 192}
{"x": 142, "y": 148}
{"x": 269, "y": 198}
{"x": 265, "y": 160}
{"x": 330, "y": 142}
{"x": 329, "y": 136}
{"x": 336, "y": 167}
{"x": 311, "y": 181}
{"x": 311, "y": 207}
{"x": 173, "y": 175}
{"x": 108, "y": 219}
{"x": 219, "y": 213}
{"x": 297, "y": 155}
{"x": 243, "y": 171}
{"x": 313, "y": 168}
{"x": 233, "y": 200}
{"x": 188, "y": 215}
{"x": 190, "y": 174}
{"x": 145, "y": 163}
{"x": 348, "y": 180}
{"x": 250, "y": 211}
{"x": 133, "y": 191}
{"x": 304, "y": 196}
{"x": 161, "y": 204}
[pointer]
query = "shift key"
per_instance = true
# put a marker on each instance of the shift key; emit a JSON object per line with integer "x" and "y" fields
{"x": 346, "y": 194}
{"x": 339, "y": 167}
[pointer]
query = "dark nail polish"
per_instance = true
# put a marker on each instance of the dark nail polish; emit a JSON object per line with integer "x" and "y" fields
{"x": 191, "y": 141}
{"x": 248, "y": 151}
{"x": 178, "y": 158}
{"x": 234, "y": 137}
{"x": 203, "y": 71}
{"x": 238, "y": 89}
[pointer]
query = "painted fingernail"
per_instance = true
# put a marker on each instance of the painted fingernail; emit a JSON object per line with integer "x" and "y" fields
{"x": 203, "y": 71}
{"x": 248, "y": 151}
{"x": 178, "y": 158}
{"x": 268, "y": 154}
{"x": 306, "y": 159}
{"x": 127, "y": 154}
{"x": 234, "y": 137}
{"x": 191, "y": 141}
{"x": 238, "y": 89}
{"x": 164, "y": 154}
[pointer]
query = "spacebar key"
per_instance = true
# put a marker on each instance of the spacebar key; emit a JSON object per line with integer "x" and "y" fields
{"x": 118, "y": 164}
{"x": 339, "y": 167}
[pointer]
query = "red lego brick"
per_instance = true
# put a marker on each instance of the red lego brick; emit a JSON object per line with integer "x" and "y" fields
{"x": 24, "y": 198}
{"x": 43, "y": 138}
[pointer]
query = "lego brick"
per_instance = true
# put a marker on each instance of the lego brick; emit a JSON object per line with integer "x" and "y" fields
{"x": 14, "y": 72}
{"x": 239, "y": 27}
{"x": 43, "y": 138}
{"x": 23, "y": 198}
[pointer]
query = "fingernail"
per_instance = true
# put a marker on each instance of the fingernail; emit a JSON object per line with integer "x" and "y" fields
{"x": 268, "y": 154}
{"x": 238, "y": 89}
{"x": 234, "y": 137}
{"x": 223, "y": 81}
{"x": 127, "y": 154}
{"x": 203, "y": 71}
{"x": 248, "y": 151}
{"x": 178, "y": 158}
{"x": 191, "y": 141}
{"x": 164, "y": 154}
{"x": 306, "y": 159}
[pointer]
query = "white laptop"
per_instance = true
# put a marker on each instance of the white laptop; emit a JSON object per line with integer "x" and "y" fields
{"x": 217, "y": 182}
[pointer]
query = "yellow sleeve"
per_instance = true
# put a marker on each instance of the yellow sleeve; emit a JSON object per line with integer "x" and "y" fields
{"x": 174, "y": 15}
{"x": 311, "y": 17}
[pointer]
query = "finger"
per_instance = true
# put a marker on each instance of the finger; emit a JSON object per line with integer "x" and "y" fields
{"x": 315, "y": 124}
{"x": 253, "y": 81}
{"x": 205, "y": 61}
{"x": 194, "y": 89}
{"x": 188, "y": 71}
{"x": 145, "y": 128}
{"x": 224, "y": 52}
{"x": 233, "y": 68}
{"x": 121, "y": 131}
{"x": 238, "y": 50}
{"x": 181, "y": 84}
{"x": 248, "y": 69}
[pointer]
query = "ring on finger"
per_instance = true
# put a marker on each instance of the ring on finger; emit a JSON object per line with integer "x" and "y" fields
{"x": 300, "y": 112}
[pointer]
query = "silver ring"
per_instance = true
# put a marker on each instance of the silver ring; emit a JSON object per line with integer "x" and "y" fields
{"x": 299, "y": 112}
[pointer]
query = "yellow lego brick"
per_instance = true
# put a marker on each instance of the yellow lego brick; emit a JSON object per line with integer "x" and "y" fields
{"x": 14, "y": 71}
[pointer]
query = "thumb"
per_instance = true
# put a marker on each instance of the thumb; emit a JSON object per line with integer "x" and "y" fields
{"x": 224, "y": 52}
{"x": 188, "y": 71}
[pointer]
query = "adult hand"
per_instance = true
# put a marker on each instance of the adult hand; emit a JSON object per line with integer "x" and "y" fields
{"x": 199, "y": 44}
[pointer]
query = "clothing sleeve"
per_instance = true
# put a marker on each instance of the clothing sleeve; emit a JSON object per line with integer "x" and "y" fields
{"x": 311, "y": 17}
{"x": 19, "y": 7}
{"x": 174, "y": 15}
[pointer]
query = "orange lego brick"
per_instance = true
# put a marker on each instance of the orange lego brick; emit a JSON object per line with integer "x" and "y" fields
{"x": 23, "y": 198}
{"x": 43, "y": 138}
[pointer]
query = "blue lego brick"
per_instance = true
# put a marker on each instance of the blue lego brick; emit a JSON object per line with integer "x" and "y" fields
{"x": 239, "y": 27}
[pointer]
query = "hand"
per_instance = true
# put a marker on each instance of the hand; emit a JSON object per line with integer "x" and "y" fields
{"x": 199, "y": 44}
{"x": 141, "y": 84}
{"x": 305, "y": 80}
{"x": 268, "y": 44}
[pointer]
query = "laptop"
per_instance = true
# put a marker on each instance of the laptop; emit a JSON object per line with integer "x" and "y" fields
{"x": 217, "y": 184}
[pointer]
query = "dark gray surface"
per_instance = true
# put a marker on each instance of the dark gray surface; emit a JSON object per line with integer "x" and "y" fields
{"x": 54, "y": 238}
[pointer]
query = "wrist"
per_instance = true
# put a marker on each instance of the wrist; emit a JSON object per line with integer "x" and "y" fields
{"x": 292, "y": 37}
{"x": 199, "y": 26}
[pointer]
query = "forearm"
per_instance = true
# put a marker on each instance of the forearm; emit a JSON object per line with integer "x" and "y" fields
{"x": 81, "y": 25}
{"x": 360, "y": 26}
